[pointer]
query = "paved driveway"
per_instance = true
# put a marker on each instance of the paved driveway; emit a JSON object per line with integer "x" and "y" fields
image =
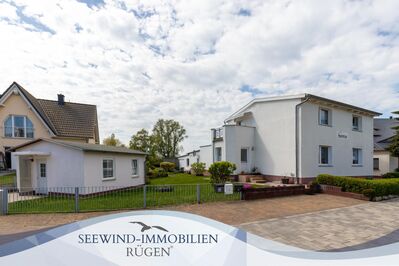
{"x": 355, "y": 227}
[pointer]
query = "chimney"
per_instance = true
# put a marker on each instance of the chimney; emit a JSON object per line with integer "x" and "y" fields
{"x": 61, "y": 99}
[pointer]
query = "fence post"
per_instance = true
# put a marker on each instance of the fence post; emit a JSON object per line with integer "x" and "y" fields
{"x": 3, "y": 201}
{"x": 145, "y": 196}
{"x": 76, "y": 199}
{"x": 198, "y": 194}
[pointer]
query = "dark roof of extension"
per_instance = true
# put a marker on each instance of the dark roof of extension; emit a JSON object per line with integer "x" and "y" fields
{"x": 83, "y": 146}
{"x": 73, "y": 120}
{"x": 384, "y": 132}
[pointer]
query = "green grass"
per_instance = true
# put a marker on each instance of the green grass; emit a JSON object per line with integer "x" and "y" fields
{"x": 180, "y": 178}
{"x": 7, "y": 179}
{"x": 184, "y": 191}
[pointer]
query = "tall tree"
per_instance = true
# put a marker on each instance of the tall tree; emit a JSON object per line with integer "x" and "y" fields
{"x": 394, "y": 146}
{"x": 141, "y": 141}
{"x": 168, "y": 135}
{"x": 112, "y": 141}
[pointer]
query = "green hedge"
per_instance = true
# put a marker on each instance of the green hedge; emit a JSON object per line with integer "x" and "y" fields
{"x": 374, "y": 188}
{"x": 391, "y": 175}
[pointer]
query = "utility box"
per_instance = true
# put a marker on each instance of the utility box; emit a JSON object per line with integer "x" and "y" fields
{"x": 228, "y": 188}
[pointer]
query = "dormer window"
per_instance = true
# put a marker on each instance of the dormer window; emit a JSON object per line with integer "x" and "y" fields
{"x": 18, "y": 126}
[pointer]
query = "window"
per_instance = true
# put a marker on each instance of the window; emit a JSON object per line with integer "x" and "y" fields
{"x": 188, "y": 162}
{"x": 244, "y": 155}
{"x": 17, "y": 126}
{"x": 135, "y": 170}
{"x": 325, "y": 155}
{"x": 357, "y": 156}
{"x": 356, "y": 123}
{"x": 324, "y": 117}
{"x": 43, "y": 170}
{"x": 218, "y": 154}
{"x": 108, "y": 168}
{"x": 218, "y": 133}
{"x": 376, "y": 163}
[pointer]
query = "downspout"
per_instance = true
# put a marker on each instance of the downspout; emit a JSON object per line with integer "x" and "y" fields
{"x": 297, "y": 148}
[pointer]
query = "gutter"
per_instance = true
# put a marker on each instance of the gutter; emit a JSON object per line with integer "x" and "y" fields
{"x": 297, "y": 148}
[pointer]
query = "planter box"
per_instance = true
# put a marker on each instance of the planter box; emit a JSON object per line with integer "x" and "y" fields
{"x": 333, "y": 190}
{"x": 271, "y": 192}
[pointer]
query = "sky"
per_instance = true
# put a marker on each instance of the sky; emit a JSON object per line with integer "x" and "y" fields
{"x": 198, "y": 61}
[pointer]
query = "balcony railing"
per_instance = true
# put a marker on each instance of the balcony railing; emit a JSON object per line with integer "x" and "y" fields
{"x": 218, "y": 134}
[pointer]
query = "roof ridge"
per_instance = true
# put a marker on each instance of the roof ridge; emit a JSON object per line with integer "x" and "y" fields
{"x": 67, "y": 102}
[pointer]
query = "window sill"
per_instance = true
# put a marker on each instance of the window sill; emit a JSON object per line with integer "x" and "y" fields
{"x": 135, "y": 176}
{"x": 357, "y": 165}
{"x": 325, "y": 165}
{"x": 4, "y": 137}
{"x": 357, "y": 130}
{"x": 109, "y": 179}
{"x": 323, "y": 125}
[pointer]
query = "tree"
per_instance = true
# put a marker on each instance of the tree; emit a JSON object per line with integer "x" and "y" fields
{"x": 141, "y": 141}
{"x": 394, "y": 146}
{"x": 112, "y": 141}
{"x": 168, "y": 134}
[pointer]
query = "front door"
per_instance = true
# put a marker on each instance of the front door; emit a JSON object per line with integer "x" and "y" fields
{"x": 244, "y": 160}
{"x": 42, "y": 177}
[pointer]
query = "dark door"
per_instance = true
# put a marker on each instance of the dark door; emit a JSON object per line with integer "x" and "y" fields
{"x": 7, "y": 157}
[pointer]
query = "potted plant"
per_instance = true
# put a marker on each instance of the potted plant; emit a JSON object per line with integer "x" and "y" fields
{"x": 285, "y": 180}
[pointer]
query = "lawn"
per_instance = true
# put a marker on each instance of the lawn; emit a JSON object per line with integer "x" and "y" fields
{"x": 7, "y": 179}
{"x": 173, "y": 190}
{"x": 180, "y": 178}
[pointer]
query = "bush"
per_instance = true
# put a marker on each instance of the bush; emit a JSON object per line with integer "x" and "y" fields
{"x": 157, "y": 172}
{"x": 391, "y": 175}
{"x": 381, "y": 187}
{"x": 220, "y": 171}
{"x": 198, "y": 168}
{"x": 167, "y": 166}
{"x": 369, "y": 192}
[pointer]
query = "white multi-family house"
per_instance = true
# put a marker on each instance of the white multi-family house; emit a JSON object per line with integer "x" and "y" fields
{"x": 384, "y": 132}
{"x": 298, "y": 136}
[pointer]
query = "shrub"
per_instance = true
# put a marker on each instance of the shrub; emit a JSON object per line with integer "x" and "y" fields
{"x": 198, "y": 168}
{"x": 157, "y": 172}
{"x": 220, "y": 171}
{"x": 369, "y": 192}
{"x": 381, "y": 187}
{"x": 167, "y": 166}
{"x": 391, "y": 175}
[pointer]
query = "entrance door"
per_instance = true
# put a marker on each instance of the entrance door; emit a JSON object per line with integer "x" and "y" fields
{"x": 42, "y": 177}
{"x": 244, "y": 160}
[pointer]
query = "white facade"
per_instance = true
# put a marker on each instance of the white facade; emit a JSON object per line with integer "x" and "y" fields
{"x": 285, "y": 136}
{"x": 206, "y": 155}
{"x": 384, "y": 163}
{"x": 69, "y": 167}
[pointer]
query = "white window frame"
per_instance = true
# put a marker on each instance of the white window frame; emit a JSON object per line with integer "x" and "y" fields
{"x": 360, "y": 157}
{"x": 216, "y": 154}
{"x": 359, "y": 122}
{"x": 329, "y": 154}
{"x": 329, "y": 117}
{"x": 113, "y": 168}
{"x": 13, "y": 127}
{"x": 137, "y": 168}
{"x": 378, "y": 165}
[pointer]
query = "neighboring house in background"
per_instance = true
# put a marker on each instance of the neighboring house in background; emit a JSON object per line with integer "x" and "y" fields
{"x": 49, "y": 165}
{"x": 298, "y": 136}
{"x": 384, "y": 162}
{"x": 25, "y": 118}
{"x": 186, "y": 160}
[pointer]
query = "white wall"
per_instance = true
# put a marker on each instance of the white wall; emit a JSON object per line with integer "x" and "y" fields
{"x": 64, "y": 165}
{"x": 192, "y": 159}
{"x": 274, "y": 136}
{"x": 93, "y": 170}
{"x": 206, "y": 155}
{"x": 312, "y": 135}
{"x": 236, "y": 138}
{"x": 387, "y": 163}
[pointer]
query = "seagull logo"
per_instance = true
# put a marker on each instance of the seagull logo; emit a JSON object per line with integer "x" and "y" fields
{"x": 147, "y": 227}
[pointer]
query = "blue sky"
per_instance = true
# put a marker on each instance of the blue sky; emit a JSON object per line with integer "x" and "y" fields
{"x": 199, "y": 61}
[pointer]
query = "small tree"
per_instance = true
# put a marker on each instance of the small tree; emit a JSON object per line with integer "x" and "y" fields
{"x": 220, "y": 171}
{"x": 198, "y": 168}
{"x": 112, "y": 141}
{"x": 168, "y": 166}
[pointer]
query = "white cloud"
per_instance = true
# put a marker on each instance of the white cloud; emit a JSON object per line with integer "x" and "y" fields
{"x": 186, "y": 60}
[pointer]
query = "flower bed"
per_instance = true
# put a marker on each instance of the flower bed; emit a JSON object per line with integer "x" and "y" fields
{"x": 372, "y": 189}
{"x": 271, "y": 192}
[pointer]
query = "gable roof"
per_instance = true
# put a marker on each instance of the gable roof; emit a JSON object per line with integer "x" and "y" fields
{"x": 82, "y": 146}
{"x": 301, "y": 97}
{"x": 73, "y": 120}
{"x": 384, "y": 132}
